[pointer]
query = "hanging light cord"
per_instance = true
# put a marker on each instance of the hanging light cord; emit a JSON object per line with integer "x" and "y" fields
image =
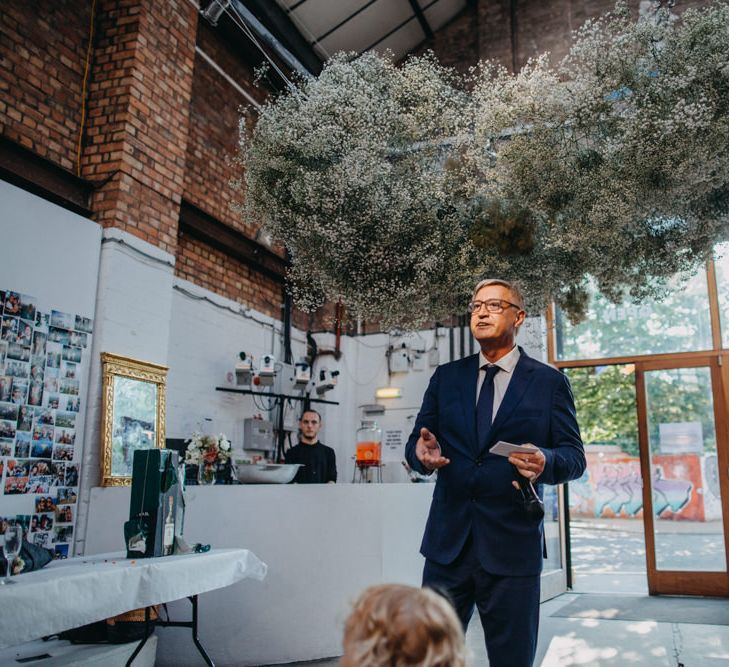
{"x": 83, "y": 90}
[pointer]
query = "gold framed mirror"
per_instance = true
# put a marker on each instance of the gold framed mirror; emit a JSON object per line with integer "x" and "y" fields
{"x": 133, "y": 414}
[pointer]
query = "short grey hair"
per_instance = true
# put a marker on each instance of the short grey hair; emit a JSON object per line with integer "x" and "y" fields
{"x": 512, "y": 287}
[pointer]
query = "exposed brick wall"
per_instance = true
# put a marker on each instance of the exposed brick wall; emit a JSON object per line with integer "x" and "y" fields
{"x": 139, "y": 103}
{"x": 42, "y": 56}
{"x": 456, "y": 44}
{"x": 213, "y": 143}
{"x": 539, "y": 26}
{"x": 214, "y": 270}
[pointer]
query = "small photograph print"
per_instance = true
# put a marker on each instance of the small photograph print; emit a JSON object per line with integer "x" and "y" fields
{"x": 44, "y": 416}
{"x": 40, "y": 468}
{"x": 62, "y": 453}
{"x": 56, "y": 335}
{"x": 64, "y": 514}
{"x": 9, "y": 327}
{"x": 40, "y": 484}
{"x": 53, "y": 360}
{"x": 41, "y": 522}
{"x": 3, "y": 351}
{"x": 35, "y": 393}
{"x": 60, "y": 552}
{"x": 63, "y": 533}
{"x": 77, "y": 339}
{"x": 8, "y": 411}
{"x": 17, "y": 468}
{"x": 58, "y": 474}
{"x": 18, "y": 369}
{"x": 42, "y": 433}
{"x": 16, "y": 485}
{"x": 18, "y": 352}
{"x": 45, "y": 504}
{"x": 71, "y": 353}
{"x": 6, "y": 384}
{"x": 25, "y": 333}
{"x": 53, "y": 401}
{"x": 68, "y": 370}
{"x": 12, "y": 303}
{"x": 41, "y": 540}
{"x": 27, "y": 307}
{"x": 7, "y": 429}
{"x": 72, "y": 474}
{"x": 24, "y": 521}
{"x": 51, "y": 381}
{"x": 39, "y": 343}
{"x": 84, "y": 324}
{"x": 22, "y": 445}
{"x": 62, "y": 320}
{"x": 65, "y": 436}
{"x": 25, "y": 418}
{"x": 19, "y": 391}
{"x": 6, "y": 447}
{"x": 70, "y": 387}
{"x": 66, "y": 496}
{"x": 66, "y": 419}
{"x": 73, "y": 403}
{"x": 41, "y": 449}
{"x": 37, "y": 366}
{"x": 41, "y": 321}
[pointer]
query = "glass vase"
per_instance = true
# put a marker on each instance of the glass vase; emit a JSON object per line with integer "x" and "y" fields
{"x": 206, "y": 473}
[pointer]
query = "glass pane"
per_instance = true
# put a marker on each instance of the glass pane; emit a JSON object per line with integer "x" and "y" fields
{"x": 688, "y": 527}
{"x": 551, "y": 529}
{"x": 679, "y": 323}
{"x": 606, "y": 503}
{"x": 721, "y": 263}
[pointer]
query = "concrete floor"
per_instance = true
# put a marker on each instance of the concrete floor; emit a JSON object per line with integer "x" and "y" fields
{"x": 609, "y": 564}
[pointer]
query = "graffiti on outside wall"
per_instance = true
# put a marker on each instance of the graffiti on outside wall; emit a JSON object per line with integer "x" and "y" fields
{"x": 611, "y": 487}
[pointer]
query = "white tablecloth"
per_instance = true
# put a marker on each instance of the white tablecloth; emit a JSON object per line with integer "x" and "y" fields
{"x": 69, "y": 593}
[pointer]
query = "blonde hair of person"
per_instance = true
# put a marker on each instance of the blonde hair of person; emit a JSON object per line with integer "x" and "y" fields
{"x": 393, "y": 625}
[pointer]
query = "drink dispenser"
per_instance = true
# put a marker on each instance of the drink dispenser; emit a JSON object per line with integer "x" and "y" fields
{"x": 369, "y": 444}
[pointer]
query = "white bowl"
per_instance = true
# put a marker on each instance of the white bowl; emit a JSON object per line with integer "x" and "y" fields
{"x": 266, "y": 473}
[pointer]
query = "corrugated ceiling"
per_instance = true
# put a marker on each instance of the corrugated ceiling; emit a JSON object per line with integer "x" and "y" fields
{"x": 331, "y": 26}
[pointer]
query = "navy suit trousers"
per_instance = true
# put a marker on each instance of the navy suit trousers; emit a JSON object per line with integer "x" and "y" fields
{"x": 508, "y": 605}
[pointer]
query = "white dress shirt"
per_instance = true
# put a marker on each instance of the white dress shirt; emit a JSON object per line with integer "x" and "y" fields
{"x": 507, "y": 363}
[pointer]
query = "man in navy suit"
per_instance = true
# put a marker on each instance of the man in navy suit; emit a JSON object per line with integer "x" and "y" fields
{"x": 480, "y": 543}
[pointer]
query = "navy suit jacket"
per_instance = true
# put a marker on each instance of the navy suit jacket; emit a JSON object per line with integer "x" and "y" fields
{"x": 473, "y": 493}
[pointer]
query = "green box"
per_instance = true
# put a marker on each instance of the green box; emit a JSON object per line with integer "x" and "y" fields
{"x": 154, "y": 504}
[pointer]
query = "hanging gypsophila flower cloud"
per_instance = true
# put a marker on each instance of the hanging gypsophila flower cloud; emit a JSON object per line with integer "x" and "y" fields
{"x": 396, "y": 188}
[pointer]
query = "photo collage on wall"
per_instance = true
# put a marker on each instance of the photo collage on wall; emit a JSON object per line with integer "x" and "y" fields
{"x": 41, "y": 357}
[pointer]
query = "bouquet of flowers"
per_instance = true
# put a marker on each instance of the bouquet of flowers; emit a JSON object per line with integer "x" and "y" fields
{"x": 207, "y": 452}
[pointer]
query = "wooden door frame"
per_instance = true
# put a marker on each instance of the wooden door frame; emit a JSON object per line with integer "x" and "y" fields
{"x": 679, "y": 582}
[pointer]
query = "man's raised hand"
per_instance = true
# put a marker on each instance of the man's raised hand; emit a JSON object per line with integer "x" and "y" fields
{"x": 428, "y": 451}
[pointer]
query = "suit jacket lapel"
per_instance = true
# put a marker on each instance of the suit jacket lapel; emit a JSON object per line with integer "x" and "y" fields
{"x": 519, "y": 383}
{"x": 468, "y": 399}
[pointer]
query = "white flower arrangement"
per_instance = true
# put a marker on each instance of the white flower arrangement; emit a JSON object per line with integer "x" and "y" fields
{"x": 206, "y": 449}
{"x": 396, "y": 188}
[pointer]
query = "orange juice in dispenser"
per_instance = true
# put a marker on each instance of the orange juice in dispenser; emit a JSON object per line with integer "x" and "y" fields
{"x": 369, "y": 444}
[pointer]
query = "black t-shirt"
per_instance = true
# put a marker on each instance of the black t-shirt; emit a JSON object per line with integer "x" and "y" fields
{"x": 319, "y": 463}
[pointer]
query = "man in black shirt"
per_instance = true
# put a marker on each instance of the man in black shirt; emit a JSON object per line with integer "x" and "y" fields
{"x": 319, "y": 461}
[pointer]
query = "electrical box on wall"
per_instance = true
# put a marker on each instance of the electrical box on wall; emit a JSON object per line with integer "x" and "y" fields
{"x": 258, "y": 435}
{"x": 399, "y": 359}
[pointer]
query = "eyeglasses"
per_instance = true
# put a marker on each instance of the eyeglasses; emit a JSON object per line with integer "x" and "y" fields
{"x": 492, "y": 306}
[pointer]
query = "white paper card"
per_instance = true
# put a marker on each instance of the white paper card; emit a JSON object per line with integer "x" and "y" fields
{"x": 507, "y": 448}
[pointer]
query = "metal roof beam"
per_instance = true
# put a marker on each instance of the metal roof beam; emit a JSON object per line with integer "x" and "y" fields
{"x": 421, "y": 19}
